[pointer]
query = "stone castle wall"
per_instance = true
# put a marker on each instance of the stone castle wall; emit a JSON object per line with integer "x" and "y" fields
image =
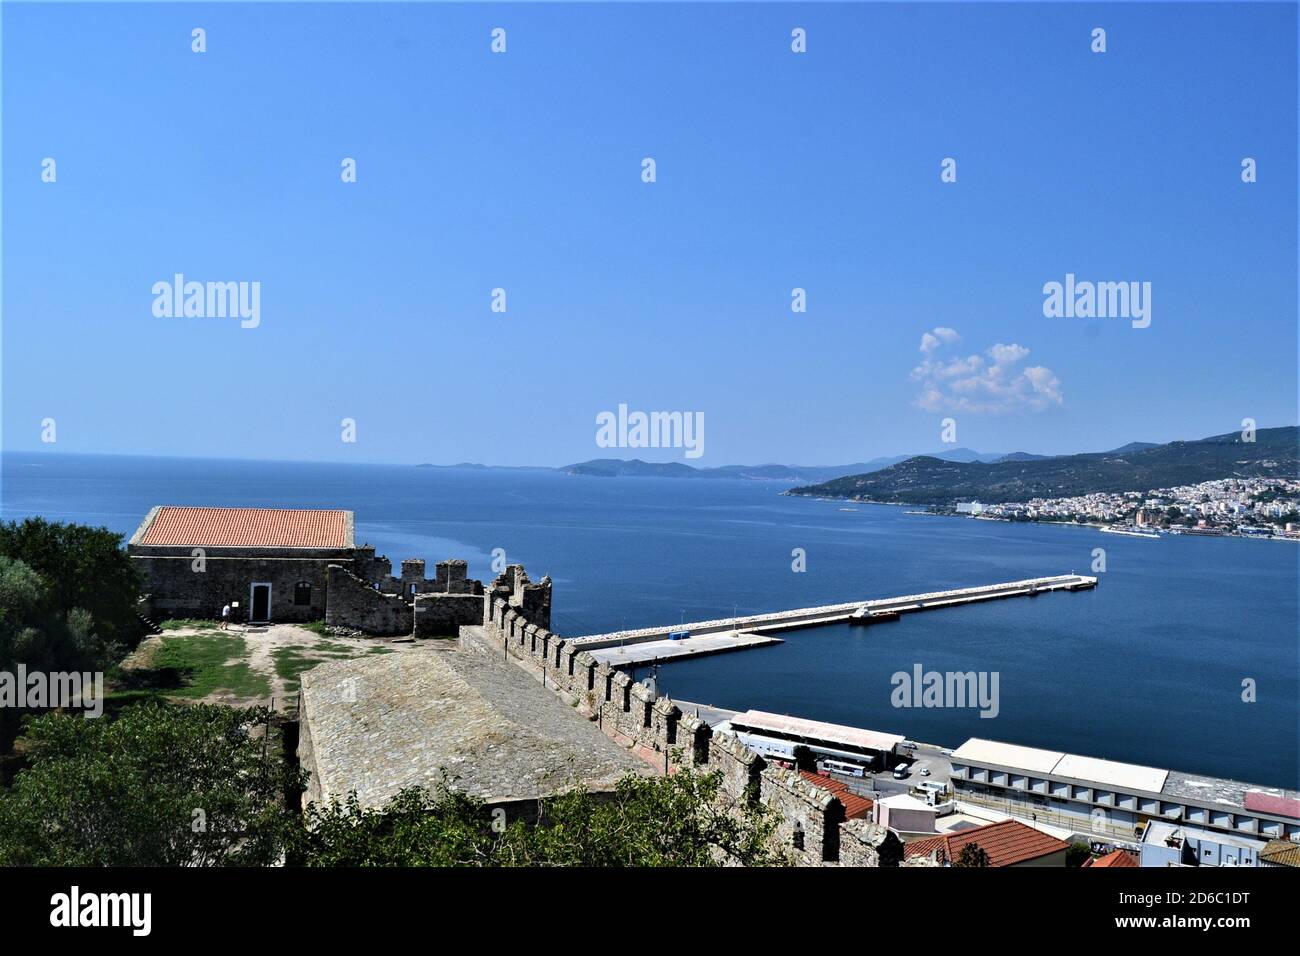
{"x": 180, "y": 583}
{"x": 356, "y": 604}
{"x": 812, "y": 826}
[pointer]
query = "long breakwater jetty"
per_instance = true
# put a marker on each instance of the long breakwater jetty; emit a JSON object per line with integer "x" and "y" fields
{"x": 650, "y": 644}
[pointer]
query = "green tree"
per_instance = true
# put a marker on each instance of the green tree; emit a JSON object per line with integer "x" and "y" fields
{"x": 158, "y": 786}
{"x": 972, "y": 854}
{"x": 80, "y": 567}
{"x": 659, "y": 821}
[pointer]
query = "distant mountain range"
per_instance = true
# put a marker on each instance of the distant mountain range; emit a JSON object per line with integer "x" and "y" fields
{"x": 1138, "y": 466}
{"x": 636, "y": 468}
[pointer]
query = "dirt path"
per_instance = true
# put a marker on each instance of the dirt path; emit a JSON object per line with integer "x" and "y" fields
{"x": 277, "y": 653}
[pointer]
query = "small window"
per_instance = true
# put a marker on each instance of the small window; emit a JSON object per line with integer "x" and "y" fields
{"x": 302, "y": 594}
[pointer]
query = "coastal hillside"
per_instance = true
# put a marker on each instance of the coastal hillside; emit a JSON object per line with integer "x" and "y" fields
{"x": 927, "y": 480}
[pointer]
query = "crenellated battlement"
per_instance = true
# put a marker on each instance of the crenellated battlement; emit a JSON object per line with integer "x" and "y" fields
{"x": 812, "y": 826}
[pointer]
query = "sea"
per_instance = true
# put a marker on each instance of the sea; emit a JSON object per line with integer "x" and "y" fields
{"x": 1153, "y": 667}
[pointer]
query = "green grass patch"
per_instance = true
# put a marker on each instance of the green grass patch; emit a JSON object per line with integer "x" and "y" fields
{"x": 316, "y": 627}
{"x": 334, "y": 647}
{"x": 289, "y": 665}
{"x": 192, "y": 666}
{"x": 193, "y": 623}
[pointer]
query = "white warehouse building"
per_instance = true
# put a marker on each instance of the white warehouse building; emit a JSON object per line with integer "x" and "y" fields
{"x": 1119, "y": 798}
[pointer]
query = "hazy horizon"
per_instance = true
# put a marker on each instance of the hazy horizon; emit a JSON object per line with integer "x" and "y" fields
{"x": 665, "y": 456}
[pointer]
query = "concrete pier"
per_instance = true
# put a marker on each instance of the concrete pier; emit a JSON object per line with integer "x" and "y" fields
{"x": 740, "y": 633}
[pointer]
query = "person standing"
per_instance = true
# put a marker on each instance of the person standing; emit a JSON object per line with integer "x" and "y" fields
{"x": 225, "y": 617}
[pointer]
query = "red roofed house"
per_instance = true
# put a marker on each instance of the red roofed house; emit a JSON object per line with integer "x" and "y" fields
{"x": 280, "y": 564}
{"x": 1115, "y": 859}
{"x": 1008, "y": 843}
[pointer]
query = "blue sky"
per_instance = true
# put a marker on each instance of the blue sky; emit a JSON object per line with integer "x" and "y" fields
{"x": 522, "y": 171}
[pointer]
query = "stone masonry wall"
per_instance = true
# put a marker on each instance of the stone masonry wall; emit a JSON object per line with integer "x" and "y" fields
{"x": 812, "y": 827}
{"x": 181, "y": 584}
{"x": 356, "y": 604}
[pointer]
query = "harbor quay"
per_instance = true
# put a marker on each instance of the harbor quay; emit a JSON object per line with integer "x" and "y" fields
{"x": 631, "y": 648}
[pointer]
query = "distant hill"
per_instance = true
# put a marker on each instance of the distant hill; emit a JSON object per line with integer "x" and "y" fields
{"x": 1021, "y": 456}
{"x": 1136, "y": 467}
{"x": 1134, "y": 446}
{"x": 636, "y": 468}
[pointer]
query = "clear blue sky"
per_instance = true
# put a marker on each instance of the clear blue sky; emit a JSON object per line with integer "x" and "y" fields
{"x": 523, "y": 171}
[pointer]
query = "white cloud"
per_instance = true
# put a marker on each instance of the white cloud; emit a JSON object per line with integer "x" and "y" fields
{"x": 992, "y": 383}
{"x": 940, "y": 336}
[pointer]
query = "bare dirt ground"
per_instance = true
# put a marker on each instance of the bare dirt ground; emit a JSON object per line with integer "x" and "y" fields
{"x": 292, "y": 647}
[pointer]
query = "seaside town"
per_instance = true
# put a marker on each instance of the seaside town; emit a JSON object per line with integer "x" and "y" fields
{"x": 1256, "y": 507}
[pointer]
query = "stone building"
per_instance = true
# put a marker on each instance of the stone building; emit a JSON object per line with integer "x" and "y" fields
{"x": 279, "y": 564}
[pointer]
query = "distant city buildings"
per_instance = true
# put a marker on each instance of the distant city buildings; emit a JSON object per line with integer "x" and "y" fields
{"x": 1265, "y": 507}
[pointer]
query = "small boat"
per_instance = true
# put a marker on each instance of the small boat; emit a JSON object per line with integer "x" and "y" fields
{"x": 866, "y": 615}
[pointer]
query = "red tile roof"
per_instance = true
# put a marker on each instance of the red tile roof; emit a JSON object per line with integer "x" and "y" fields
{"x": 248, "y": 528}
{"x": 855, "y": 807}
{"x": 1006, "y": 843}
{"x": 1114, "y": 859}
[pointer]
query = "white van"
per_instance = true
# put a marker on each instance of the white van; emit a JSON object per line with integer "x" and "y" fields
{"x": 900, "y": 772}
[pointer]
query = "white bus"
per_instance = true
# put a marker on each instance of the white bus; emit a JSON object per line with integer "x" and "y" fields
{"x": 840, "y": 766}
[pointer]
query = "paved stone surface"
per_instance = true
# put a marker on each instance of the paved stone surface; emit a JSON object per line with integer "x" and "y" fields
{"x": 377, "y": 725}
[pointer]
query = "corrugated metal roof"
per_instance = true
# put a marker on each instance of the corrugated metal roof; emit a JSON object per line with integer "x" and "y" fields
{"x": 1008, "y": 755}
{"x": 1262, "y": 802}
{"x": 249, "y": 528}
{"x": 1111, "y": 774}
{"x": 1107, "y": 773}
{"x": 815, "y": 729}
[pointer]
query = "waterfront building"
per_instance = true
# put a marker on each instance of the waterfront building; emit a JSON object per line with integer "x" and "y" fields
{"x": 1168, "y": 844}
{"x": 1118, "y": 799}
{"x": 778, "y": 736}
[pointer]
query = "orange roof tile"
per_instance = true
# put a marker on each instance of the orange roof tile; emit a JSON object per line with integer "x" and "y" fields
{"x": 855, "y": 807}
{"x": 248, "y": 528}
{"x": 1281, "y": 852}
{"x": 1115, "y": 858}
{"x": 1006, "y": 843}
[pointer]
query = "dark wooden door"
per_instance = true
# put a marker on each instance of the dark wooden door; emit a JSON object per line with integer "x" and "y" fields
{"x": 261, "y": 602}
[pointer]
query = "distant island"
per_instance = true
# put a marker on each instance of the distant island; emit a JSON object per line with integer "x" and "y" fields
{"x": 929, "y": 480}
{"x": 636, "y": 468}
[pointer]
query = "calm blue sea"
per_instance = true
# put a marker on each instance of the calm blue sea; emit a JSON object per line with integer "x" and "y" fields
{"x": 1146, "y": 669}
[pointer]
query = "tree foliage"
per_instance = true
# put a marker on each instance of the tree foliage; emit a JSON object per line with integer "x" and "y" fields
{"x": 67, "y": 596}
{"x": 972, "y": 854}
{"x": 659, "y": 821}
{"x": 157, "y": 786}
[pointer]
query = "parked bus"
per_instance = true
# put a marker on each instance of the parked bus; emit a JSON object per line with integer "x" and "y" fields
{"x": 840, "y": 766}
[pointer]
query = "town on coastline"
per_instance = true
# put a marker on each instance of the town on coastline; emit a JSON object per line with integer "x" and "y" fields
{"x": 1240, "y": 507}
